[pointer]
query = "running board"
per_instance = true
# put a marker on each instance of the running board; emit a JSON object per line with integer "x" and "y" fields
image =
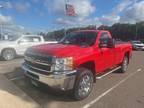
{"x": 109, "y": 72}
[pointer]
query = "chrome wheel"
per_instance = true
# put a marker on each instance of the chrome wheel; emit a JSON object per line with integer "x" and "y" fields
{"x": 85, "y": 86}
{"x": 125, "y": 64}
{"x": 8, "y": 54}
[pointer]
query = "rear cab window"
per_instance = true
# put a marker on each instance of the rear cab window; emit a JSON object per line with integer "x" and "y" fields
{"x": 31, "y": 39}
{"x": 104, "y": 38}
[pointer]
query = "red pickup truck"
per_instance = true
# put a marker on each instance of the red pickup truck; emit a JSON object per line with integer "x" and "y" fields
{"x": 76, "y": 61}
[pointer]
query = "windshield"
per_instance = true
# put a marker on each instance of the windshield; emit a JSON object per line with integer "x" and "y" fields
{"x": 80, "y": 38}
{"x": 136, "y": 42}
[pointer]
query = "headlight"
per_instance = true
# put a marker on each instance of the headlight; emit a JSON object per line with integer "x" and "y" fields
{"x": 61, "y": 64}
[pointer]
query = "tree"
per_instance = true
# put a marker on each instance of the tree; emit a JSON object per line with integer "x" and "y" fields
{"x": 119, "y": 31}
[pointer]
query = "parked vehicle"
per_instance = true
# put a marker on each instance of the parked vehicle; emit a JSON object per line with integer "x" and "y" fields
{"x": 17, "y": 45}
{"x": 137, "y": 45}
{"x": 75, "y": 62}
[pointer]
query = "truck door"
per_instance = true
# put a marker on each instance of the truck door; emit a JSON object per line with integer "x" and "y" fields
{"x": 107, "y": 54}
{"x": 27, "y": 42}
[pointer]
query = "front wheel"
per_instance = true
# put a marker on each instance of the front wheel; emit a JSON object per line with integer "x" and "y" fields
{"x": 124, "y": 64}
{"x": 83, "y": 85}
{"x": 8, "y": 54}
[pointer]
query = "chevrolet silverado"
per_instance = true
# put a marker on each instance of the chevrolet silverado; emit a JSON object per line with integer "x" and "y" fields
{"x": 76, "y": 61}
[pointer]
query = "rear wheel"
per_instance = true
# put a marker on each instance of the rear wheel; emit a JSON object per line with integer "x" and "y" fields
{"x": 83, "y": 85}
{"x": 124, "y": 64}
{"x": 8, "y": 54}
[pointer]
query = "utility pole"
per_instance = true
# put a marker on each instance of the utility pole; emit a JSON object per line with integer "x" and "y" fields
{"x": 136, "y": 31}
{"x": 1, "y": 25}
{"x": 65, "y": 30}
{"x": 1, "y": 31}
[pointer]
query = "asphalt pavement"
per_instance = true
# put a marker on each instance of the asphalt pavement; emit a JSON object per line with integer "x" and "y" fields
{"x": 116, "y": 90}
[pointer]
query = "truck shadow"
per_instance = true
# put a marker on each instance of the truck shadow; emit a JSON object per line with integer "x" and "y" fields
{"x": 43, "y": 95}
{"x": 117, "y": 71}
{"x": 9, "y": 91}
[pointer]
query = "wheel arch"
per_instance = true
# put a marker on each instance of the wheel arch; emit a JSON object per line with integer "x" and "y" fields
{"x": 127, "y": 54}
{"x": 91, "y": 66}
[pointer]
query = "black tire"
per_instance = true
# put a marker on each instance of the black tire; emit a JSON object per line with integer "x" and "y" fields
{"x": 81, "y": 83}
{"x": 8, "y": 54}
{"x": 124, "y": 64}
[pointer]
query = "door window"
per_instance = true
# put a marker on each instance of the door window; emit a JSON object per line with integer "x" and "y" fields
{"x": 104, "y": 38}
{"x": 31, "y": 39}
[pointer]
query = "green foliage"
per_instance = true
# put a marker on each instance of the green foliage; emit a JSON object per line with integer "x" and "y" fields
{"x": 119, "y": 31}
{"x": 59, "y": 34}
{"x": 126, "y": 31}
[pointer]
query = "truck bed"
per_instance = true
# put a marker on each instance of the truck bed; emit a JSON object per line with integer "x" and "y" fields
{"x": 121, "y": 42}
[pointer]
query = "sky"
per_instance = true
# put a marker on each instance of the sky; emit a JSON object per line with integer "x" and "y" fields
{"x": 50, "y": 14}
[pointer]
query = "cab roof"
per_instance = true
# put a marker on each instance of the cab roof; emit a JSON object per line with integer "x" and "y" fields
{"x": 92, "y": 31}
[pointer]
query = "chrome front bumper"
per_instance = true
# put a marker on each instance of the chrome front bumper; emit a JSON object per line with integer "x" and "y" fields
{"x": 138, "y": 48}
{"x": 63, "y": 81}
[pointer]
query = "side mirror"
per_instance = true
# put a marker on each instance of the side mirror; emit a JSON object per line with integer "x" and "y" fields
{"x": 102, "y": 45}
{"x": 111, "y": 43}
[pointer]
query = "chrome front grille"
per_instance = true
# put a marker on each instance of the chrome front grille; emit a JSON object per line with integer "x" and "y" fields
{"x": 40, "y": 64}
{"x": 39, "y": 57}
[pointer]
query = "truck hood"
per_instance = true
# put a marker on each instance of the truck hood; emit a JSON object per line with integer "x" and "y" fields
{"x": 61, "y": 50}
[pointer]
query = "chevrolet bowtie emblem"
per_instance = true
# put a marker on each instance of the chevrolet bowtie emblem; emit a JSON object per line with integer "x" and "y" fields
{"x": 30, "y": 59}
